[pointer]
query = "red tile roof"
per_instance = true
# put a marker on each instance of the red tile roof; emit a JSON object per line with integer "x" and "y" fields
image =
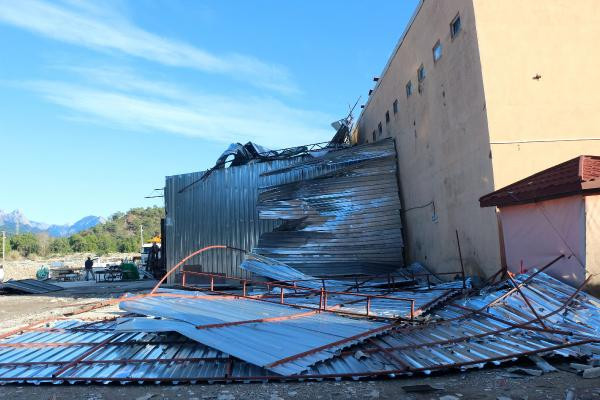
{"x": 579, "y": 175}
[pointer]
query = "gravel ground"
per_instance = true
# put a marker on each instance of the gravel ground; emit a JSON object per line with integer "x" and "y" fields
{"x": 478, "y": 384}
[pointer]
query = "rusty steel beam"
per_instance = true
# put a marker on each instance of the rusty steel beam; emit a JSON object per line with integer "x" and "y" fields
{"x": 526, "y": 281}
{"x": 332, "y": 344}
{"x": 91, "y": 351}
{"x": 261, "y": 320}
{"x": 526, "y": 301}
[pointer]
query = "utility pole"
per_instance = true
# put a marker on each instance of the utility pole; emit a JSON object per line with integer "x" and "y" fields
{"x": 141, "y": 236}
{"x": 3, "y": 245}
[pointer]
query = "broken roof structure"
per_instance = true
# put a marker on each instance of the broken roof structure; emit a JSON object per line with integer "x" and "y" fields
{"x": 177, "y": 336}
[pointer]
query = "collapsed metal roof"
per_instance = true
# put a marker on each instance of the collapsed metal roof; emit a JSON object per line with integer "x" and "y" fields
{"x": 532, "y": 314}
{"x": 278, "y": 337}
{"x": 76, "y": 351}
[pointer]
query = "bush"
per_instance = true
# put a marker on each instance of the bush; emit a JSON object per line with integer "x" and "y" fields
{"x": 77, "y": 243}
{"x": 128, "y": 245}
{"x": 26, "y": 244}
{"x": 60, "y": 246}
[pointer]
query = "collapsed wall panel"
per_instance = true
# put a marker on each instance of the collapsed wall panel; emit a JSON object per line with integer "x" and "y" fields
{"x": 343, "y": 220}
{"x": 321, "y": 209}
{"x": 219, "y": 209}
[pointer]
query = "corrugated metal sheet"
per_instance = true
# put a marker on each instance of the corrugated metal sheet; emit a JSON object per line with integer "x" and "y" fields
{"x": 128, "y": 357}
{"x": 454, "y": 337}
{"x": 277, "y": 271}
{"x": 31, "y": 286}
{"x": 268, "y": 343}
{"x": 222, "y": 209}
{"x": 343, "y": 221}
{"x": 424, "y": 297}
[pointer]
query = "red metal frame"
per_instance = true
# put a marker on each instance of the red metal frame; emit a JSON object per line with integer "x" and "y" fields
{"x": 322, "y": 292}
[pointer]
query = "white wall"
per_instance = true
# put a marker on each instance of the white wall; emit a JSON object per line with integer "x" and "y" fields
{"x": 537, "y": 233}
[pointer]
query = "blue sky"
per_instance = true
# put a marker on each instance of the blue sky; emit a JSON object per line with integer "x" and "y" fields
{"x": 101, "y": 100}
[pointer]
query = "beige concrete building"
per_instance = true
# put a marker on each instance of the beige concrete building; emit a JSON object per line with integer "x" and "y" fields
{"x": 479, "y": 94}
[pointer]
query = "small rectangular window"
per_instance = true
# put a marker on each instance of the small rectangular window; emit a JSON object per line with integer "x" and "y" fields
{"x": 421, "y": 73}
{"x": 408, "y": 88}
{"x": 395, "y": 106}
{"x": 437, "y": 51}
{"x": 455, "y": 26}
{"x": 380, "y": 128}
{"x": 387, "y": 117}
{"x": 374, "y": 133}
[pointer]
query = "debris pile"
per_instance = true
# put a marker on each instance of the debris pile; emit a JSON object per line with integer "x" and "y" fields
{"x": 297, "y": 327}
{"x": 30, "y": 286}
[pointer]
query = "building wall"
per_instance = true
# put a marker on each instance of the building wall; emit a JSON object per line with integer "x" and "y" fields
{"x": 537, "y": 233}
{"x": 557, "y": 40}
{"x": 592, "y": 239}
{"x": 442, "y": 140}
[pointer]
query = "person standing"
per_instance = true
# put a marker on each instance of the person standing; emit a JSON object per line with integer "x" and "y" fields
{"x": 88, "y": 268}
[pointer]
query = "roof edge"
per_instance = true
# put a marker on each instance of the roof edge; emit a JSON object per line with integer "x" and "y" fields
{"x": 394, "y": 52}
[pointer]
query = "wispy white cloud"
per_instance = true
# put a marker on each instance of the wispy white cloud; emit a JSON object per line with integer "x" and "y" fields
{"x": 95, "y": 28}
{"x": 120, "y": 98}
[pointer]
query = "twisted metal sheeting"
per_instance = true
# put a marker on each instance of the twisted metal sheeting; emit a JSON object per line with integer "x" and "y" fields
{"x": 343, "y": 220}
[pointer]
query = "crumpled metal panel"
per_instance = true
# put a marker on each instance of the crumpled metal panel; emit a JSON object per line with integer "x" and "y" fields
{"x": 425, "y": 297}
{"x": 265, "y": 344}
{"x": 129, "y": 357}
{"x": 278, "y": 271}
{"x": 269, "y": 268}
{"x": 467, "y": 340}
{"x": 342, "y": 221}
{"x": 220, "y": 209}
{"x": 454, "y": 337}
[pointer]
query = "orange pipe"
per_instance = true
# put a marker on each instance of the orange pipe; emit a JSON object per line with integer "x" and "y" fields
{"x": 202, "y": 250}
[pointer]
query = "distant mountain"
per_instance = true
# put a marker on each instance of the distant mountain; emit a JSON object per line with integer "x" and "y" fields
{"x": 10, "y": 221}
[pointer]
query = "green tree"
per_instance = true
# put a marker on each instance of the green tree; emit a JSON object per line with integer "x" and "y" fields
{"x": 26, "y": 244}
{"x": 120, "y": 233}
{"x": 128, "y": 245}
{"x": 106, "y": 244}
{"x": 77, "y": 243}
{"x": 60, "y": 246}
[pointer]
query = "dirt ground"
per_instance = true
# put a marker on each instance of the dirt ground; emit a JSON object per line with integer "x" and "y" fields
{"x": 477, "y": 384}
{"x": 20, "y": 310}
{"x": 488, "y": 383}
{"x": 26, "y": 269}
